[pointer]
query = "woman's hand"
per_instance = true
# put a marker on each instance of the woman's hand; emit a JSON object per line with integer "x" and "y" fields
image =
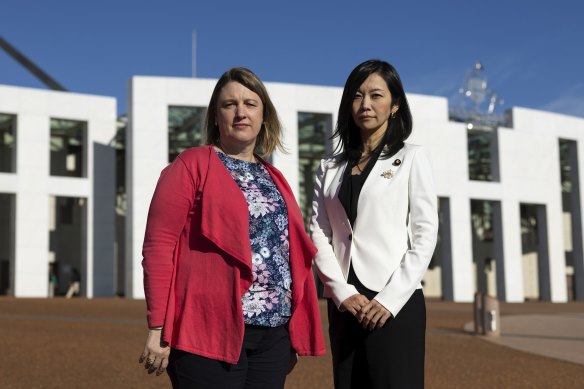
{"x": 155, "y": 352}
{"x": 355, "y": 303}
{"x": 373, "y": 315}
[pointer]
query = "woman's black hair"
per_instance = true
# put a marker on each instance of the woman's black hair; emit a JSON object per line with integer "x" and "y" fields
{"x": 399, "y": 127}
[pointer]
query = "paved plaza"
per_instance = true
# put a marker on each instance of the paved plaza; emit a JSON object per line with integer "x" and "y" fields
{"x": 80, "y": 343}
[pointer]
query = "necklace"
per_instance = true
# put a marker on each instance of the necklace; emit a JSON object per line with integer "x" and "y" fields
{"x": 361, "y": 161}
{"x": 365, "y": 158}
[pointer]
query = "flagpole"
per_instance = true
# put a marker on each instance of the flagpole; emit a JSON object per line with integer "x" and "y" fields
{"x": 194, "y": 54}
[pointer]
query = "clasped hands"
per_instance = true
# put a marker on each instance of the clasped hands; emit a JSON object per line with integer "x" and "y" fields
{"x": 370, "y": 313}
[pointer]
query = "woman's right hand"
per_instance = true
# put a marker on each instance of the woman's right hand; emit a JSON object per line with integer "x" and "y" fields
{"x": 156, "y": 352}
{"x": 354, "y": 304}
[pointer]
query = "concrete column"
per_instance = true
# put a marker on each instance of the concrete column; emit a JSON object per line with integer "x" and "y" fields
{"x": 511, "y": 289}
{"x": 31, "y": 268}
{"x": 463, "y": 286}
{"x": 446, "y": 250}
{"x": 104, "y": 224}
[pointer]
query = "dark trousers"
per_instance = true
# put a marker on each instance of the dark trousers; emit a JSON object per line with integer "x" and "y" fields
{"x": 263, "y": 364}
{"x": 388, "y": 357}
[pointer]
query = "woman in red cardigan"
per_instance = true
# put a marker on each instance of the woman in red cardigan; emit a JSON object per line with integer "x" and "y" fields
{"x": 227, "y": 264}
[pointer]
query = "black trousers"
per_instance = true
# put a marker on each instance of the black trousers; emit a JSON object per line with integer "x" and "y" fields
{"x": 387, "y": 357}
{"x": 263, "y": 363}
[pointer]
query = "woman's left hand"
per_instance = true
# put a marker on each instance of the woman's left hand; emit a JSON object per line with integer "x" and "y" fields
{"x": 156, "y": 352}
{"x": 373, "y": 315}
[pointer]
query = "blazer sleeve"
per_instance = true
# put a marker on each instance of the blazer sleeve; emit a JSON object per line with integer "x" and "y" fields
{"x": 423, "y": 226}
{"x": 327, "y": 265}
{"x": 172, "y": 200}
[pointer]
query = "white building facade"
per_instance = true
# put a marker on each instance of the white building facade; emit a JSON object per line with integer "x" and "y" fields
{"x": 57, "y": 192}
{"x": 510, "y": 197}
{"x": 511, "y": 224}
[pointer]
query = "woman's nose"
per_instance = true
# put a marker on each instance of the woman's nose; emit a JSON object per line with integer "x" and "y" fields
{"x": 241, "y": 111}
{"x": 365, "y": 103}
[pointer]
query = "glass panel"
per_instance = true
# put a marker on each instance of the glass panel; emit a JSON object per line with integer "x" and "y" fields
{"x": 480, "y": 166}
{"x": 436, "y": 260}
{"x": 185, "y": 129}
{"x": 433, "y": 280}
{"x": 313, "y": 131}
{"x": 482, "y": 219}
{"x": 483, "y": 246}
{"x": 530, "y": 245}
{"x": 68, "y": 148}
{"x": 571, "y": 207}
{"x": 7, "y": 230}
{"x": 121, "y": 205}
{"x": 67, "y": 242}
{"x": 566, "y": 148}
{"x": 7, "y": 143}
{"x": 565, "y": 167}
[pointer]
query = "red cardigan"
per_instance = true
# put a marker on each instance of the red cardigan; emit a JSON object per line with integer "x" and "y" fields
{"x": 197, "y": 260}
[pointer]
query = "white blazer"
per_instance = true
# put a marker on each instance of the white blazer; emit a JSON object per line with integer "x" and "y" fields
{"x": 395, "y": 231}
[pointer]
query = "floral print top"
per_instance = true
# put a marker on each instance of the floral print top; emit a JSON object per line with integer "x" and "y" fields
{"x": 268, "y": 301}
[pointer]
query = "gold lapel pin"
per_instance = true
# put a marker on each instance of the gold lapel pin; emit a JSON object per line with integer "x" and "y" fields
{"x": 387, "y": 174}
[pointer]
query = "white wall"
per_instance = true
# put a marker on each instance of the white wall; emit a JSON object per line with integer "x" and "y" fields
{"x": 528, "y": 164}
{"x": 32, "y": 183}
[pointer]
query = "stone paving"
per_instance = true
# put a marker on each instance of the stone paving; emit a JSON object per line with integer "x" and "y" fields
{"x": 80, "y": 343}
{"x": 557, "y": 336}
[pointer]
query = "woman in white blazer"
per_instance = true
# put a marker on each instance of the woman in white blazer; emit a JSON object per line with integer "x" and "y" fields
{"x": 375, "y": 225}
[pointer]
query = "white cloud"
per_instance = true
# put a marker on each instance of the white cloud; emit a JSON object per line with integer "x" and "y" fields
{"x": 442, "y": 82}
{"x": 571, "y": 102}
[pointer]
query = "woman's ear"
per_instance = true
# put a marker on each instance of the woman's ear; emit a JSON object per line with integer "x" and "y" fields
{"x": 394, "y": 110}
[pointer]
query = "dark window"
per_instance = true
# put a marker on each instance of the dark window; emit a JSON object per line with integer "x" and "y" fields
{"x": 185, "y": 129}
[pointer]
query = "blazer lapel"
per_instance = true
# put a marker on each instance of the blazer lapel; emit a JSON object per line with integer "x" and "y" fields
{"x": 384, "y": 169}
{"x": 332, "y": 187}
{"x": 225, "y": 217}
{"x": 332, "y": 192}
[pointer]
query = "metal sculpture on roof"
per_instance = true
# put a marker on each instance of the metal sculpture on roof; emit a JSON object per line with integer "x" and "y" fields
{"x": 476, "y": 104}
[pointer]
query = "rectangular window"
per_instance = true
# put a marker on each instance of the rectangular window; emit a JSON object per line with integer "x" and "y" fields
{"x": 483, "y": 245}
{"x": 7, "y": 235}
{"x": 572, "y": 211}
{"x": 7, "y": 143}
{"x": 534, "y": 244}
{"x": 68, "y": 241}
{"x": 68, "y": 148}
{"x": 314, "y": 131}
{"x": 185, "y": 129}
{"x": 437, "y": 279}
{"x": 482, "y": 155}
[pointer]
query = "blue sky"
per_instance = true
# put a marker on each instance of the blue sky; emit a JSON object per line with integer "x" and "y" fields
{"x": 532, "y": 50}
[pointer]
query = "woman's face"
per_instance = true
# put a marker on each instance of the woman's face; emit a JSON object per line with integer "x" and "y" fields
{"x": 239, "y": 115}
{"x": 372, "y": 105}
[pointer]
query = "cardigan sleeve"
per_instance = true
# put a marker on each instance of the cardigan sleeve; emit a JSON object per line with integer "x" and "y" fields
{"x": 423, "y": 226}
{"x": 172, "y": 200}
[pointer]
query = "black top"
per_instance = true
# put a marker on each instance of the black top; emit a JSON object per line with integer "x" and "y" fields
{"x": 352, "y": 185}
